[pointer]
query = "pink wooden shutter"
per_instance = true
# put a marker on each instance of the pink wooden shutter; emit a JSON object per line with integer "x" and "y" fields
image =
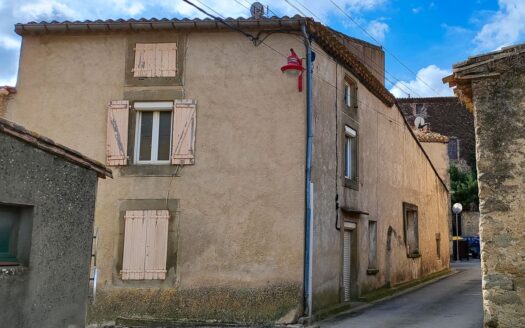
{"x": 184, "y": 128}
{"x": 156, "y": 244}
{"x": 166, "y": 60}
{"x": 117, "y": 133}
{"x": 144, "y": 60}
{"x": 134, "y": 245}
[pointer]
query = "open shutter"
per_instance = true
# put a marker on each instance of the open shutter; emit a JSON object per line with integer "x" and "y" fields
{"x": 184, "y": 128}
{"x": 156, "y": 244}
{"x": 134, "y": 245}
{"x": 166, "y": 60}
{"x": 117, "y": 133}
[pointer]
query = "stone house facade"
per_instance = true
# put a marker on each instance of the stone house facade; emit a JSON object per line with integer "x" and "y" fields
{"x": 492, "y": 86}
{"x": 47, "y": 207}
{"x": 235, "y": 196}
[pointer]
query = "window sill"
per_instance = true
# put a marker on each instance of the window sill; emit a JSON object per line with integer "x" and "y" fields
{"x": 351, "y": 183}
{"x": 149, "y": 170}
{"x": 8, "y": 271}
{"x": 372, "y": 272}
{"x": 414, "y": 255}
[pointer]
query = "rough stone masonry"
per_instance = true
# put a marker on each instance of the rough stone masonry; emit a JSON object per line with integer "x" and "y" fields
{"x": 493, "y": 86}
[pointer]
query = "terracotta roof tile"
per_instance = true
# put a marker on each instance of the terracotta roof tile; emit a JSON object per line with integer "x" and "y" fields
{"x": 430, "y": 137}
{"x": 48, "y": 145}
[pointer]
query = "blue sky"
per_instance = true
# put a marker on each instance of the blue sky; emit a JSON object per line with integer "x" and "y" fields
{"x": 426, "y": 36}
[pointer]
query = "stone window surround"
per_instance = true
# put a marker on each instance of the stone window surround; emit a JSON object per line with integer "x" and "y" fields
{"x": 172, "y": 206}
{"x": 350, "y": 110}
{"x": 145, "y": 37}
{"x": 349, "y": 183}
{"x": 155, "y": 170}
{"x": 408, "y": 207}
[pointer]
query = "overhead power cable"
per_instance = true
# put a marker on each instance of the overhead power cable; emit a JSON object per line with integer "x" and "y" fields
{"x": 339, "y": 91}
{"x": 379, "y": 43}
{"x": 398, "y": 83}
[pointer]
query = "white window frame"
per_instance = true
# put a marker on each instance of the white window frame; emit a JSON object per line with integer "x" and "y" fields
{"x": 349, "y": 134}
{"x": 156, "y": 108}
{"x": 348, "y": 95}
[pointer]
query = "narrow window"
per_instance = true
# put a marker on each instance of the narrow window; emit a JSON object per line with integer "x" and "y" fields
{"x": 153, "y": 132}
{"x": 411, "y": 229}
{"x": 350, "y": 153}
{"x": 453, "y": 148}
{"x": 372, "y": 244}
{"x": 350, "y": 93}
{"x": 419, "y": 109}
{"x": 438, "y": 245}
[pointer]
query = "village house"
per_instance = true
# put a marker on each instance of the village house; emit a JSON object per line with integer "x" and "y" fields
{"x": 47, "y": 208}
{"x": 492, "y": 86}
{"x": 447, "y": 117}
{"x": 236, "y": 196}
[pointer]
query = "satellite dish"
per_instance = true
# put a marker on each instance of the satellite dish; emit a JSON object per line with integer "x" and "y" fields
{"x": 257, "y": 10}
{"x": 419, "y": 122}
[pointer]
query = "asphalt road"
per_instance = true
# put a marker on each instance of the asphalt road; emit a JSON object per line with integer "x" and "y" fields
{"x": 453, "y": 302}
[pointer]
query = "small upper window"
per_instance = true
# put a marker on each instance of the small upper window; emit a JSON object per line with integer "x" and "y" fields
{"x": 153, "y": 132}
{"x": 350, "y": 153}
{"x": 155, "y": 60}
{"x": 453, "y": 148}
{"x": 419, "y": 109}
{"x": 350, "y": 94}
{"x": 15, "y": 235}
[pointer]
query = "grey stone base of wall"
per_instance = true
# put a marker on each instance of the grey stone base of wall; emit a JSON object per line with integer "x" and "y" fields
{"x": 220, "y": 304}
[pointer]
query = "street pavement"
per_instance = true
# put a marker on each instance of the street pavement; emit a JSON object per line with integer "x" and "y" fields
{"x": 453, "y": 302}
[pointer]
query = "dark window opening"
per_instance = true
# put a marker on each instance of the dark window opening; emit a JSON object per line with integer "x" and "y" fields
{"x": 15, "y": 234}
{"x": 411, "y": 232}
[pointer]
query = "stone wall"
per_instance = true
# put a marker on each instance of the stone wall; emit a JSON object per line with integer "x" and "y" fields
{"x": 50, "y": 289}
{"x": 500, "y": 131}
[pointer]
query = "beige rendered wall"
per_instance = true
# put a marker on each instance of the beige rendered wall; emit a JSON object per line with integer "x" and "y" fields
{"x": 392, "y": 169}
{"x": 438, "y": 154}
{"x": 238, "y": 232}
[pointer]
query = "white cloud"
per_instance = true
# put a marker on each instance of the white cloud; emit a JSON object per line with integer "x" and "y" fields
{"x": 46, "y": 9}
{"x": 417, "y": 10}
{"x": 431, "y": 75}
{"x": 378, "y": 29}
{"x": 505, "y": 27}
{"x": 8, "y": 42}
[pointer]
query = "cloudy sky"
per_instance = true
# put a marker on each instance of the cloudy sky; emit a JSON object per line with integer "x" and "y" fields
{"x": 422, "y": 38}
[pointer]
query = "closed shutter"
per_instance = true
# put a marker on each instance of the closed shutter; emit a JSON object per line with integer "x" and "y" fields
{"x": 145, "y": 245}
{"x": 134, "y": 245}
{"x": 347, "y": 248}
{"x": 184, "y": 128}
{"x": 156, "y": 244}
{"x": 145, "y": 57}
{"x": 166, "y": 60}
{"x": 117, "y": 133}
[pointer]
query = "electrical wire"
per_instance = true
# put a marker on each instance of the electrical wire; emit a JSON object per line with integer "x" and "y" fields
{"x": 398, "y": 83}
{"x": 362, "y": 104}
{"x": 386, "y": 50}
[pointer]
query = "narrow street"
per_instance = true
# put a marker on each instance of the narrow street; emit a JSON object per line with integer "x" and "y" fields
{"x": 454, "y": 302}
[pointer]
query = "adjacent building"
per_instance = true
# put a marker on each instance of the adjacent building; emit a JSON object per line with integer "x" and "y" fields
{"x": 446, "y": 116}
{"x": 492, "y": 86}
{"x": 47, "y": 207}
{"x": 236, "y": 196}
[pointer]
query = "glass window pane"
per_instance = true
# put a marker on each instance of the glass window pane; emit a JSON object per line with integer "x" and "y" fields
{"x": 347, "y": 157}
{"x": 8, "y": 219}
{"x": 146, "y": 127}
{"x": 353, "y": 155}
{"x": 164, "y": 136}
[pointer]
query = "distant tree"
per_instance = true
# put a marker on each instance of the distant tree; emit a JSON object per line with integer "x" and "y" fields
{"x": 464, "y": 186}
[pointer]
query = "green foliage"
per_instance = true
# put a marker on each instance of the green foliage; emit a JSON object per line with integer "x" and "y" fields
{"x": 464, "y": 187}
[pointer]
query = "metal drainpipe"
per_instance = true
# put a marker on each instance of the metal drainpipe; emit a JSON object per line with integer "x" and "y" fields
{"x": 308, "y": 182}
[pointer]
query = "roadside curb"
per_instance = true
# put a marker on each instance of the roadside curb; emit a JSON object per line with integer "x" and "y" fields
{"x": 396, "y": 294}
